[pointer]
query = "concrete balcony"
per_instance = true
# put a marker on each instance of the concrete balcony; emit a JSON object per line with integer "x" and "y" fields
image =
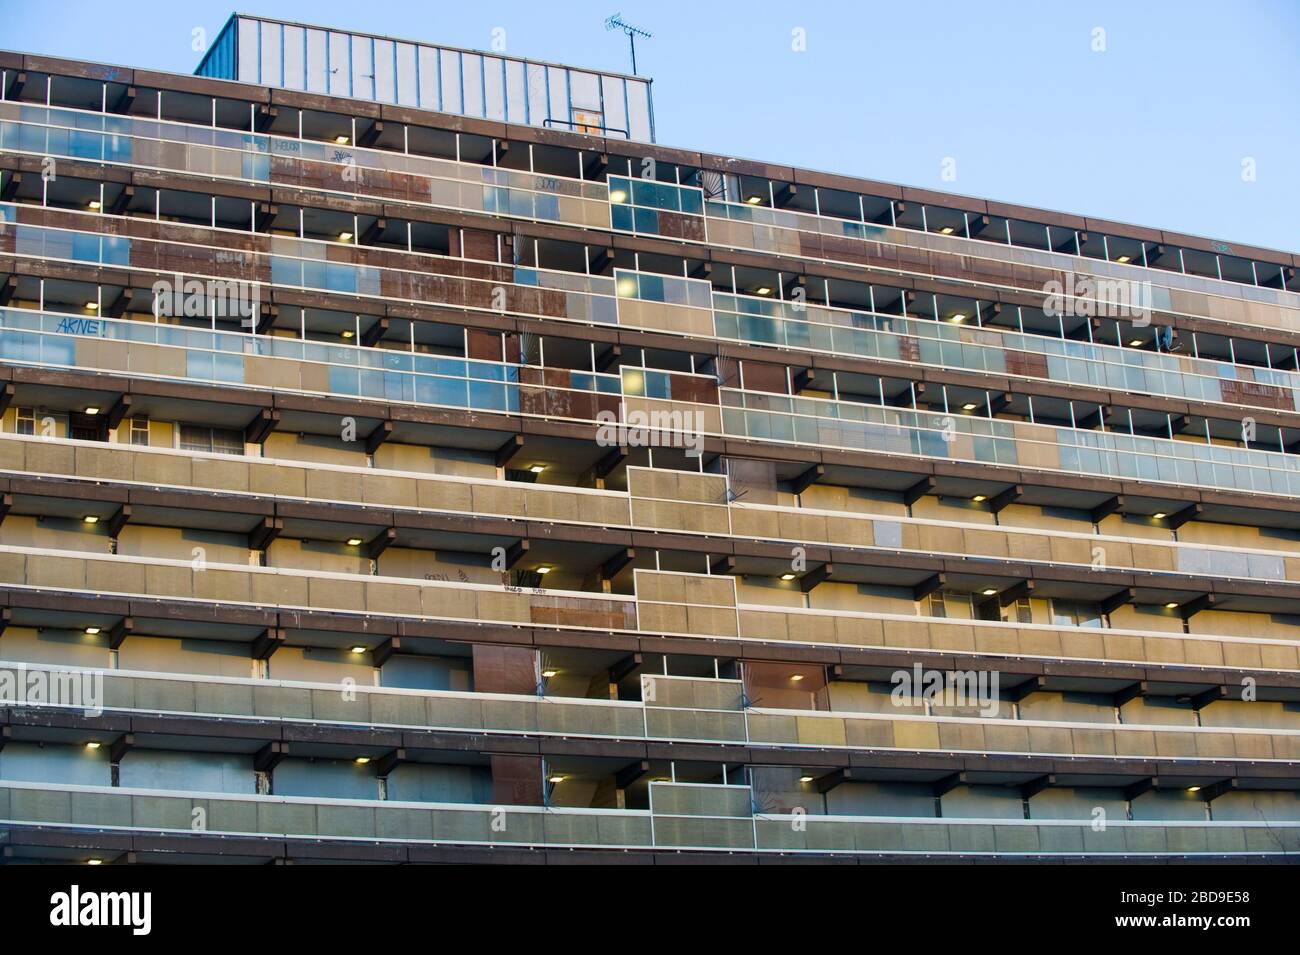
{"x": 254, "y": 158}
{"x": 653, "y": 302}
{"x": 657, "y": 500}
{"x": 909, "y": 252}
{"x": 690, "y": 605}
{"x": 303, "y": 589}
{"x": 420, "y": 181}
{"x": 933, "y": 342}
{"x": 854, "y": 426}
{"x": 707, "y": 605}
{"x": 864, "y": 545}
{"x": 675, "y": 709}
{"x": 681, "y": 816}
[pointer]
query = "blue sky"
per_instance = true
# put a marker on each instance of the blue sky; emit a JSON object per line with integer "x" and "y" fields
{"x": 1152, "y": 130}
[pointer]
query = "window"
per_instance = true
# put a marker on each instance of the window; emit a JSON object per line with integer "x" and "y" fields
{"x": 936, "y": 606}
{"x": 1072, "y": 613}
{"x": 645, "y": 383}
{"x": 1020, "y": 612}
{"x": 214, "y": 440}
{"x": 140, "y": 431}
{"x": 87, "y": 427}
{"x": 27, "y": 421}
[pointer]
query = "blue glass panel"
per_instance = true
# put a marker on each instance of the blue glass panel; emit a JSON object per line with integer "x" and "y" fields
{"x": 658, "y": 385}
{"x": 257, "y": 168}
{"x": 547, "y": 207}
{"x": 286, "y": 271}
{"x": 228, "y": 368}
{"x": 344, "y": 381}
{"x": 372, "y": 384}
{"x": 116, "y": 250}
{"x": 496, "y": 199}
{"x": 487, "y": 396}
{"x": 85, "y": 248}
{"x": 85, "y": 145}
{"x": 621, "y": 217}
{"x": 199, "y": 365}
{"x": 485, "y": 371}
{"x": 442, "y": 391}
{"x": 397, "y": 361}
{"x": 604, "y": 310}
{"x": 651, "y": 288}
{"x": 646, "y": 220}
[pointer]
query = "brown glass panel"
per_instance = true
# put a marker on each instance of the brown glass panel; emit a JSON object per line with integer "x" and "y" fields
{"x": 729, "y": 372}
{"x": 811, "y": 245}
{"x": 525, "y": 300}
{"x": 675, "y": 225}
{"x": 576, "y": 612}
{"x": 606, "y": 402}
{"x": 482, "y": 345}
{"x": 761, "y": 376}
{"x": 1254, "y": 393}
{"x": 843, "y": 250}
{"x": 1026, "y": 363}
{"x": 483, "y": 271}
{"x": 558, "y": 404}
{"x": 694, "y": 388}
{"x": 480, "y": 245}
{"x": 553, "y": 302}
{"x": 909, "y": 348}
{"x": 532, "y": 400}
{"x": 505, "y": 669}
{"x": 517, "y": 780}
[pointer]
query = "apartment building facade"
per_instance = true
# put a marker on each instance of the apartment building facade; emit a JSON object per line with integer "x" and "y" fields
{"x": 394, "y": 480}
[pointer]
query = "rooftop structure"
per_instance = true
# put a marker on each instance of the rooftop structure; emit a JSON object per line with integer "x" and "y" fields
{"x": 491, "y": 86}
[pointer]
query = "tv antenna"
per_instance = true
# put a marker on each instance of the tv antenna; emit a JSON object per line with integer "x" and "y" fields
{"x": 616, "y": 23}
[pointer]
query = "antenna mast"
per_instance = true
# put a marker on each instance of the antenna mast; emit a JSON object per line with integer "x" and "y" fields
{"x": 616, "y": 23}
